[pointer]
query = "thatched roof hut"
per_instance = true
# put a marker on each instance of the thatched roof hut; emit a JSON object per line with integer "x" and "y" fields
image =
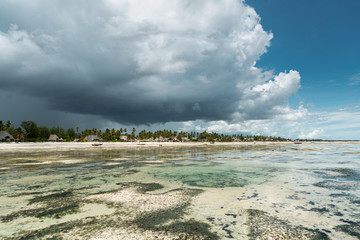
{"x": 161, "y": 139}
{"x": 124, "y": 138}
{"x": 93, "y": 138}
{"x": 53, "y": 138}
{"x": 6, "y": 137}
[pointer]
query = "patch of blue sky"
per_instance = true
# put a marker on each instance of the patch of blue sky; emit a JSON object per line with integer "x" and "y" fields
{"x": 320, "y": 39}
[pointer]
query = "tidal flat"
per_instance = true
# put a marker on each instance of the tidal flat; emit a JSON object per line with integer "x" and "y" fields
{"x": 180, "y": 191}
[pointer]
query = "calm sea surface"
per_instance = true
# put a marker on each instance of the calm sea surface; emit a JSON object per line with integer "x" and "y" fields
{"x": 283, "y": 191}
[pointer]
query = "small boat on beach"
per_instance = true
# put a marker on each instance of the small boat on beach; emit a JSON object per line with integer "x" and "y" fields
{"x": 96, "y": 144}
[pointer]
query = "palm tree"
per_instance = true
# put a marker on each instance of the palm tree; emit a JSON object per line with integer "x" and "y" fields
{"x": 113, "y": 132}
{"x": 133, "y": 133}
{"x": 8, "y": 125}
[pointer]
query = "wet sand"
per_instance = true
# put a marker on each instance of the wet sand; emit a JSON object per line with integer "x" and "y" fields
{"x": 180, "y": 191}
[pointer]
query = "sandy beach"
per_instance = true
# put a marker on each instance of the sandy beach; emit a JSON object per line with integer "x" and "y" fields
{"x": 109, "y": 145}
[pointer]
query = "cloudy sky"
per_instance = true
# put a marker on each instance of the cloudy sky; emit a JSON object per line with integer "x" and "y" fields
{"x": 271, "y": 67}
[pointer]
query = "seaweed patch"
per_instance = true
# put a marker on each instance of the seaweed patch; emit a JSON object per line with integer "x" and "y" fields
{"x": 320, "y": 210}
{"x": 352, "y": 228}
{"x": 336, "y": 185}
{"x": 136, "y": 213}
{"x": 55, "y": 205}
{"x": 141, "y": 187}
{"x": 264, "y": 226}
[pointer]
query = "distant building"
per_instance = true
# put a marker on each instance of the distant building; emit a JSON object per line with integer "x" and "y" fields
{"x": 161, "y": 139}
{"x": 91, "y": 138}
{"x": 6, "y": 137}
{"x": 124, "y": 138}
{"x": 53, "y": 138}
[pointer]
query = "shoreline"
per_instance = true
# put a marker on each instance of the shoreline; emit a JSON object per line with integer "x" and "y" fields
{"x": 110, "y": 145}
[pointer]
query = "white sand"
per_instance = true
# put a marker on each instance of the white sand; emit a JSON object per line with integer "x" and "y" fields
{"x": 109, "y": 145}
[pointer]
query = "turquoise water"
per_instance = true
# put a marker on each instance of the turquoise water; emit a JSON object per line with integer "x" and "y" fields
{"x": 319, "y": 180}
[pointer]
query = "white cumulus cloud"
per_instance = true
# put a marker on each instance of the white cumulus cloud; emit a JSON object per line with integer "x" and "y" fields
{"x": 311, "y": 135}
{"x": 143, "y": 62}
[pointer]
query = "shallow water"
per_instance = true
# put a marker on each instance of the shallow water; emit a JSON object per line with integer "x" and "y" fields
{"x": 248, "y": 192}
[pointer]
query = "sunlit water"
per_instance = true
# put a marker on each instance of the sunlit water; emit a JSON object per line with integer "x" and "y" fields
{"x": 314, "y": 185}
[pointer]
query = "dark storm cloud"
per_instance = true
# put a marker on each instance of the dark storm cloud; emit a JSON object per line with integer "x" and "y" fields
{"x": 140, "y": 62}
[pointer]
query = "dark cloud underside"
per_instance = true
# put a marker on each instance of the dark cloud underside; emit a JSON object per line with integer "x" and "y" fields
{"x": 141, "y": 62}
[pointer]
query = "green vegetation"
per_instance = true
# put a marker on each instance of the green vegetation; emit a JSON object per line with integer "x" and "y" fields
{"x": 31, "y": 132}
{"x": 54, "y": 205}
{"x": 164, "y": 221}
{"x": 352, "y": 228}
{"x": 141, "y": 187}
{"x": 264, "y": 226}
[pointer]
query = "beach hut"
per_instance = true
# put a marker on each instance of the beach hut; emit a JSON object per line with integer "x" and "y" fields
{"x": 6, "y": 137}
{"x": 91, "y": 138}
{"x": 53, "y": 138}
{"x": 159, "y": 139}
{"x": 124, "y": 138}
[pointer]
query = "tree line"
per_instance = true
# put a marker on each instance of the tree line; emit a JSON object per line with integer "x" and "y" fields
{"x": 30, "y": 131}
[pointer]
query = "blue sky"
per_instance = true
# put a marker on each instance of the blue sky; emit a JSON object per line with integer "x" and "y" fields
{"x": 321, "y": 40}
{"x": 263, "y": 67}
